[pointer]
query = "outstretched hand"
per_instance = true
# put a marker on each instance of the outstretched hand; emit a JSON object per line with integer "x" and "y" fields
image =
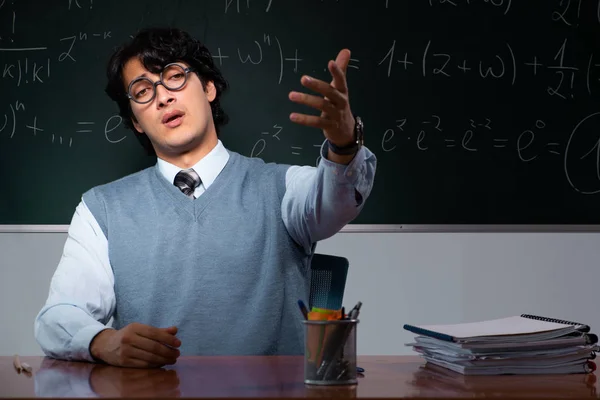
{"x": 336, "y": 119}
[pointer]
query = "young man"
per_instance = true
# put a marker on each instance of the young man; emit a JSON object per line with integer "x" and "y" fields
{"x": 208, "y": 251}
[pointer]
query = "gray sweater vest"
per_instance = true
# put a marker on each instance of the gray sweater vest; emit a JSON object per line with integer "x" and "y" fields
{"x": 222, "y": 268}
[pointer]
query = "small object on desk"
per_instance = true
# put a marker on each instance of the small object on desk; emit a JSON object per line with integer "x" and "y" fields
{"x": 26, "y": 367}
{"x": 19, "y": 366}
{"x": 17, "y": 363}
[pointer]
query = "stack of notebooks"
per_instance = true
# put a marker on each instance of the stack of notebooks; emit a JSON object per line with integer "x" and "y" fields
{"x": 522, "y": 344}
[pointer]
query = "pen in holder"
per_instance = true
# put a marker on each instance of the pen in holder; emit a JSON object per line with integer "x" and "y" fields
{"x": 330, "y": 352}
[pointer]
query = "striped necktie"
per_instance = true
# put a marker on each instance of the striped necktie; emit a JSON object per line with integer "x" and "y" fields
{"x": 187, "y": 181}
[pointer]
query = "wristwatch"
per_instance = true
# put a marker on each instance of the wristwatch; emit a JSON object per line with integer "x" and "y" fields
{"x": 355, "y": 145}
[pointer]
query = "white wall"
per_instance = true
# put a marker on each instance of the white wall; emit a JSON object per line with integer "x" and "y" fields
{"x": 400, "y": 278}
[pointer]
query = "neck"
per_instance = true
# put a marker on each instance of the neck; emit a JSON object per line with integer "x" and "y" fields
{"x": 189, "y": 158}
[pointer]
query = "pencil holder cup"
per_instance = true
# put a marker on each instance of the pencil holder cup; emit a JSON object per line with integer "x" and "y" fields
{"x": 330, "y": 352}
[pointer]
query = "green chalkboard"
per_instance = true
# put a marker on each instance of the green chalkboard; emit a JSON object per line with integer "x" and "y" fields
{"x": 479, "y": 111}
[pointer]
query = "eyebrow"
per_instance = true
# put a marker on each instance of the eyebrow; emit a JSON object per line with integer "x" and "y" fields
{"x": 144, "y": 75}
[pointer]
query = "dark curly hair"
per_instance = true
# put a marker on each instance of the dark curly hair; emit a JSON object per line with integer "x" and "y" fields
{"x": 156, "y": 47}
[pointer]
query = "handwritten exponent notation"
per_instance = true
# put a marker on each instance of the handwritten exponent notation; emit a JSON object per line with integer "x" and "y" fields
{"x": 535, "y": 142}
{"x": 17, "y": 120}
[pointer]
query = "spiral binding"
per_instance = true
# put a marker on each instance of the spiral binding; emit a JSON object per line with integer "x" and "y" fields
{"x": 555, "y": 320}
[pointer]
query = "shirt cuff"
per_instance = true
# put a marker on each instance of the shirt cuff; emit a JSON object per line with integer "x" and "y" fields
{"x": 81, "y": 341}
{"x": 352, "y": 171}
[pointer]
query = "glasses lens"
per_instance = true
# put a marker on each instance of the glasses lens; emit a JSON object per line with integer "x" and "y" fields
{"x": 141, "y": 90}
{"x": 174, "y": 77}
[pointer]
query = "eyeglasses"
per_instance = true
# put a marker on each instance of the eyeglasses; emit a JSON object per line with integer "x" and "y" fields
{"x": 173, "y": 77}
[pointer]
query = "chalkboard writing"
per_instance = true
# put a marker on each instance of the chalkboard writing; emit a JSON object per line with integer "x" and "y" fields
{"x": 479, "y": 111}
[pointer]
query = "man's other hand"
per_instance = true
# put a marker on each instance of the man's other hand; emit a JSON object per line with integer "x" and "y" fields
{"x": 137, "y": 345}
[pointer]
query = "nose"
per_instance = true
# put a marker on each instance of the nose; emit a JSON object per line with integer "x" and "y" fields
{"x": 163, "y": 96}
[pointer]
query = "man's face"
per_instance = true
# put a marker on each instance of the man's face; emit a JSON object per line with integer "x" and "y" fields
{"x": 176, "y": 121}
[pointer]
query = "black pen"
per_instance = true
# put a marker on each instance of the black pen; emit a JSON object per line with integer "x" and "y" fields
{"x": 303, "y": 309}
{"x": 354, "y": 312}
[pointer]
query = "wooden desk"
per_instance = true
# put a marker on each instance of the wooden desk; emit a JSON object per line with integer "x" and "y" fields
{"x": 397, "y": 377}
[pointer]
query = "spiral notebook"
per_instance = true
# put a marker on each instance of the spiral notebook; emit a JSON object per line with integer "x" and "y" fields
{"x": 514, "y": 329}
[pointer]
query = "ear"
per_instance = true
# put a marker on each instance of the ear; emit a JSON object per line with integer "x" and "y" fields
{"x": 136, "y": 124}
{"x": 211, "y": 91}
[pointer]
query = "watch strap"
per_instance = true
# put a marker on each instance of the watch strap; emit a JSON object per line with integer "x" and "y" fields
{"x": 355, "y": 145}
{"x": 344, "y": 150}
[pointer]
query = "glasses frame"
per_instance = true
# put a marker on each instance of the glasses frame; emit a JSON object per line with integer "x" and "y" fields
{"x": 158, "y": 82}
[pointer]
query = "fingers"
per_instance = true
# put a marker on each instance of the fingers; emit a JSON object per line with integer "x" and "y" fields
{"x": 319, "y": 103}
{"x": 146, "y": 345}
{"x": 172, "y": 330}
{"x": 339, "y": 76}
{"x": 314, "y": 121}
{"x": 162, "y": 335}
{"x": 335, "y": 102}
{"x": 343, "y": 59}
{"x": 156, "y": 348}
{"x": 333, "y": 95}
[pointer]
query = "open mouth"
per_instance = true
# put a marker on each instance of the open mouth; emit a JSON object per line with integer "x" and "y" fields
{"x": 172, "y": 118}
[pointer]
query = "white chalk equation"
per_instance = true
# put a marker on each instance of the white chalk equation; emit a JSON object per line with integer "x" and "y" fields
{"x": 502, "y": 5}
{"x": 432, "y": 133}
{"x": 10, "y": 19}
{"x": 242, "y": 6}
{"x": 579, "y": 148}
{"x": 583, "y": 144}
{"x": 80, "y": 4}
{"x": 33, "y": 65}
{"x": 17, "y": 120}
{"x": 561, "y": 75}
{"x": 576, "y": 147}
{"x": 565, "y": 12}
{"x": 271, "y": 137}
{"x": 568, "y": 12}
{"x": 561, "y": 69}
{"x": 35, "y": 69}
{"x": 26, "y": 70}
{"x": 253, "y": 53}
{"x": 261, "y": 144}
{"x": 70, "y": 41}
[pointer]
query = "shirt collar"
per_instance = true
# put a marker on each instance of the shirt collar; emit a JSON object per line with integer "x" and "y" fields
{"x": 208, "y": 168}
